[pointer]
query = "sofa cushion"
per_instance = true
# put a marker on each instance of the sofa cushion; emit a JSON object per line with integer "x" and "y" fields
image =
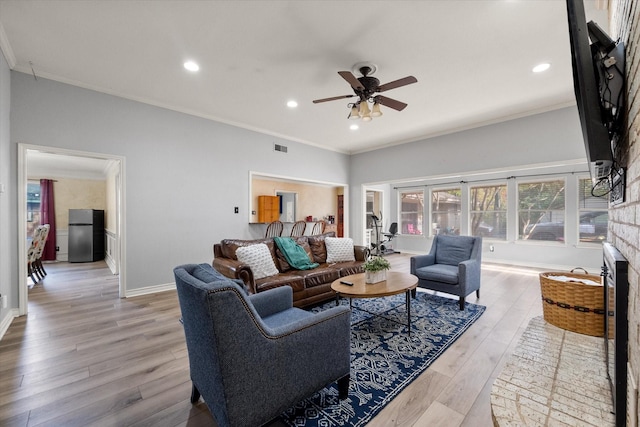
{"x": 304, "y": 243}
{"x": 230, "y": 246}
{"x": 258, "y": 258}
{"x": 339, "y": 249}
{"x": 318, "y": 247}
{"x": 318, "y": 276}
{"x": 283, "y": 279}
{"x": 282, "y": 263}
{"x": 439, "y": 273}
{"x": 452, "y": 250}
{"x": 349, "y": 268}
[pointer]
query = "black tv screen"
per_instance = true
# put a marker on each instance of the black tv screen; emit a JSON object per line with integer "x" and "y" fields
{"x": 596, "y": 135}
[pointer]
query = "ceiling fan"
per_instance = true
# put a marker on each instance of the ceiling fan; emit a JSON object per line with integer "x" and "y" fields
{"x": 365, "y": 88}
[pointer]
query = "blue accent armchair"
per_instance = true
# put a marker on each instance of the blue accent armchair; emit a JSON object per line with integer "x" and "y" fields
{"x": 452, "y": 266}
{"x": 253, "y": 356}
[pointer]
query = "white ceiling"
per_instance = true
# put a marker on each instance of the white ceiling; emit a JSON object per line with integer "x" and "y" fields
{"x": 472, "y": 59}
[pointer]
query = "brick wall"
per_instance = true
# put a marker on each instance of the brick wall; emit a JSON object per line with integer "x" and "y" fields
{"x": 624, "y": 225}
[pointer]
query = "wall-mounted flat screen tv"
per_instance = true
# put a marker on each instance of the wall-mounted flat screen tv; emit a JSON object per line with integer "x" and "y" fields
{"x": 598, "y": 78}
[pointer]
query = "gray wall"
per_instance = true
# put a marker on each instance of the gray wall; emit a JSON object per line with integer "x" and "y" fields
{"x": 8, "y": 203}
{"x": 184, "y": 174}
{"x": 507, "y": 148}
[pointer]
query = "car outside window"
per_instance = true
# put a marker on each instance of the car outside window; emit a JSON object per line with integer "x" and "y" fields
{"x": 541, "y": 210}
{"x": 594, "y": 216}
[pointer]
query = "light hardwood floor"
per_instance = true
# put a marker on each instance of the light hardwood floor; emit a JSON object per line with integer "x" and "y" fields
{"x": 84, "y": 357}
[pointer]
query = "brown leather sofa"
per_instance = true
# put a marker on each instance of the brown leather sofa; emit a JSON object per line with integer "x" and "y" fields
{"x": 309, "y": 286}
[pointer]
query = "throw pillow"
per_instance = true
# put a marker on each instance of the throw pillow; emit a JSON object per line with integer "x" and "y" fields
{"x": 258, "y": 257}
{"x": 339, "y": 249}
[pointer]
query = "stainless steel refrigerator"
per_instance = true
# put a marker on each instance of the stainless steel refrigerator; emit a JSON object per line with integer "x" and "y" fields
{"x": 86, "y": 235}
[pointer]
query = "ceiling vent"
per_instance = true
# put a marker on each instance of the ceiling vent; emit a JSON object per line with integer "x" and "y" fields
{"x": 281, "y": 148}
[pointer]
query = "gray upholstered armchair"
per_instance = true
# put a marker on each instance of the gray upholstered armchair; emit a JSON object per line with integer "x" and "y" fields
{"x": 452, "y": 266}
{"x": 252, "y": 357}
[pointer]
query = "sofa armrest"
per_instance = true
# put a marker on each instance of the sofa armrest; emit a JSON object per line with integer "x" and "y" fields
{"x": 419, "y": 261}
{"x": 272, "y": 301}
{"x": 245, "y": 274}
{"x": 227, "y": 267}
{"x": 361, "y": 253}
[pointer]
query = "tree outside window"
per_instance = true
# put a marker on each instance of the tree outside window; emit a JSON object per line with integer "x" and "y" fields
{"x": 445, "y": 211}
{"x": 594, "y": 215}
{"x": 541, "y": 210}
{"x": 488, "y": 211}
{"x": 411, "y": 212}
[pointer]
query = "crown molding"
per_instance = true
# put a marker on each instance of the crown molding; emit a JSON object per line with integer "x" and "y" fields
{"x": 5, "y": 47}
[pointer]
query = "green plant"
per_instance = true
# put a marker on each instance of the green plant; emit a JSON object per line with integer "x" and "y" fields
{"x": 376, "y": 263}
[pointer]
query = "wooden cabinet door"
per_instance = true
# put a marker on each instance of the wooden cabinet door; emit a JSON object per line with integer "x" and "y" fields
{"x": 268, "y": 208}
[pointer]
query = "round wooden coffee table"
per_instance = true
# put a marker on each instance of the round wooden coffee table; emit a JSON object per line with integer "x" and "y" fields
{"x": 396, "y": 283}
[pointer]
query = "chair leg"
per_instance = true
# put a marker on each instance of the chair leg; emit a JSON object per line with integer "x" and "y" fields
{"x": 195, "y": 394}
{"x": 414, "y": 292}
{"x": 461, "y": 303}
{"x": 343, "y": 387}
{"x": 41, "y": 267}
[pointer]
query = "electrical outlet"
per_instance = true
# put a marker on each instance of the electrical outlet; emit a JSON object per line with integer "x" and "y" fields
{"x": 491, "y": 248}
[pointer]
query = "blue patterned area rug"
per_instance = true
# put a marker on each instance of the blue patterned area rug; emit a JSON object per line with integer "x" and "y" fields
{"x": 384, "y": 359}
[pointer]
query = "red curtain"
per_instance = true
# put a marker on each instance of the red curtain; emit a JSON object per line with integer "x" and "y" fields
{"x": 48, "y": 216}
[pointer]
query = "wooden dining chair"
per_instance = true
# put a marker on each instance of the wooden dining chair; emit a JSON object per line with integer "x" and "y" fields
{"x": 318, "y": 227}
{"x": 298, "y": 228}
{"x": 274, "y": 229}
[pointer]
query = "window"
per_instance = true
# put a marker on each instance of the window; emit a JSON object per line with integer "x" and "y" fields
{"x": 541, "y": 207}
{"x": 594, "y": 215}
{"x": 445, "y": 211}
{"x": 411, "y": 212}
{"x": 33, "y": 207}
{"x": 488, "y": 211}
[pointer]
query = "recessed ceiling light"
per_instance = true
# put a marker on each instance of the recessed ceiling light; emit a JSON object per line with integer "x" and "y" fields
{"x": 191, "y": 66}
{"x": 541, "y": 67}
{"x": 292, "y": 104}
{"x": 354, "y": 127}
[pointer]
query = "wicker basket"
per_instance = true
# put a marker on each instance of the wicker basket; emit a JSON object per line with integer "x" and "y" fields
{"x": 574, "y": 306}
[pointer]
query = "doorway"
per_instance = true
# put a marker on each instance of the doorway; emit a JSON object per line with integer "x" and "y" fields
{"x": 70, "y": 163}
{"x": 287, "y": 206}
{"x": 373, "y": 218}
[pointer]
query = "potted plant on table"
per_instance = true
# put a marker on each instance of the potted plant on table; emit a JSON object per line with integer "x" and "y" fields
{"x": 375, "y": 269}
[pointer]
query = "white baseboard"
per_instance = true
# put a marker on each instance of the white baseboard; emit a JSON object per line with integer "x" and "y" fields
{"x": 6, "y": 322}
{"x": 150, "y": 290}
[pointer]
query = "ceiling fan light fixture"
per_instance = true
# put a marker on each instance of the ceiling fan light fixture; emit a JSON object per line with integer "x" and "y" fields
{"x": 354, "y": 114}
{"x": 376, "y": 110}
{"x": 365, "y": 112}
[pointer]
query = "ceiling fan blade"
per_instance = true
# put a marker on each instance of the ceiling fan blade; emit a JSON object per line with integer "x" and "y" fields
{"x": 333, "y": 98}
{"x": 391, "y": 103}
{"x": 397, "y": 83}
{"x": 351, "y": 79}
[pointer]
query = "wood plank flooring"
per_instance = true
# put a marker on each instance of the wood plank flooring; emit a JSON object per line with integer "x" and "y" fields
{"x": 84, "y": 357}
